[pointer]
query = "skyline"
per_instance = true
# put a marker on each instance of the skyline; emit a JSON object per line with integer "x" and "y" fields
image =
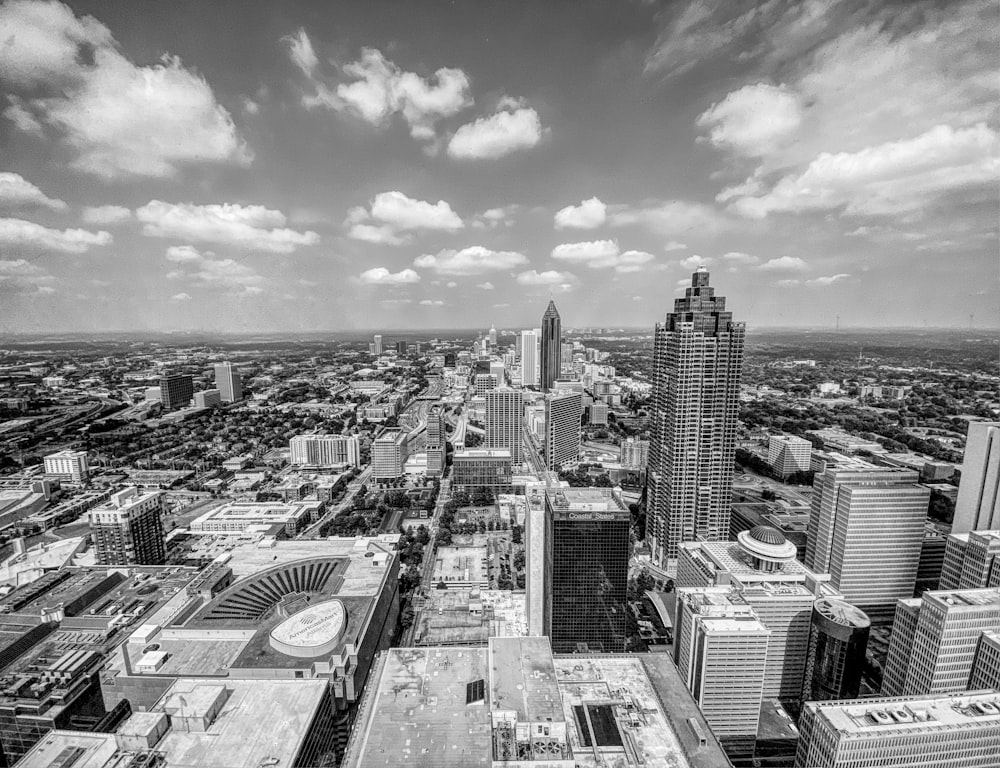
{"x": 351, "y": 169}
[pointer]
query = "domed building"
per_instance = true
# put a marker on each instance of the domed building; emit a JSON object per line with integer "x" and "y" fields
{"x": 766, "y": 547}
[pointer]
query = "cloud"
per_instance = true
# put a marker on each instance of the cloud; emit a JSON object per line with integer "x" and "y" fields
{"x": 554, "y": 279}
{"x": 513, "y": 127}
{"x": 252, "y": 227}
{"x": 181, "y": 297}
{"x": 181, "y": 253}
{"x": 229, "y": 275}
{"x": 737, "y": 257}
{"x": 487, "y": 286}
{"x": 496, "y": 217}
{"x": 754, "y": 120}
{"x": 68, "y": 75}
{"x": 601, "y": 254}
{"x": 589, "y": 214}
{"x": 669, "y": 218}
{"x": 451, "y": 284}
{"x": 375, "y": 90}
{"x": 382, "y": 276}
{"x": 106, "y": 214}
{"x": 391, "y": 216}
{"x": 20, "y": 233}
{"x": 16, "y": 191}
{"x": 784, "y": 264}
{"x": 693, "y": 262}
{"x": 21, "y": 276}
{"x": 828, "y": 280}
{"x": 899, "y": 176}
{"x": 474, "y": 260}
{"x": 633, "y": 261}
{"x": 673, "y": 245}
{"x": 684, "y": 282}
{"x": 431, "y": 303}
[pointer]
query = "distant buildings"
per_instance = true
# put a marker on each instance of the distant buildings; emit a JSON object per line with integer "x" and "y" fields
{"x": 562, "y": 429}
{"x": 530, "y": 357}
{"x": 436, "y": 441}
{"x": 481, "y": 468}
{"x": 504, "y": 421}
{"x": 375, "y": 347}
{"x": 698, "y": 356}
{"x": 788, "y": 454}
{"x": 325, "y": 450}
{"x": 485, "y": 382}
{"x": 551, "y": 347}
{"x": 176, "y": 391}
{"x": 978, "y": 505}
{"x": 389, "y": 454}
{"x": 128, "y": 530}
{"x": 208, "y": 398}
{"x": 228, "y": 382}
{"x": 956, "y": 730}
{"x": 68, "y": 465}
{"x": 400, "y": 347}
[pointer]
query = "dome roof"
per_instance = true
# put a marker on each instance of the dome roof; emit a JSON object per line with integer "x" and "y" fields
{"x": 765, "y": 534}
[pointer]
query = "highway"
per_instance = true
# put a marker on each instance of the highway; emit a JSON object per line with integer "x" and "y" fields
{"x": 312, "y": 532}
{"x": 531, "y": 449}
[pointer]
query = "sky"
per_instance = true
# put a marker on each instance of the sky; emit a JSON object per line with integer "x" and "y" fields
{"x": 298, "y": 166}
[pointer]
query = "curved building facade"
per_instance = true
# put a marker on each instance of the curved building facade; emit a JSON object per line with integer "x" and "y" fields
{"x": 837, "y": 648}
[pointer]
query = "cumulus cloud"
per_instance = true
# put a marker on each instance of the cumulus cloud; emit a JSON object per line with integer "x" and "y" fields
{"x": 564, "y": 281}
{"x": 431, "y": 303}
{"x": 674, "y": 245}
{"x": 589, "y": 214}
{"x": 181, "y": 297}
{"x": 474, "y": 260}
{"x": 106, "y": 214}
{"x": 28, "y": 234}
{"x": 495, "y": 217}
{"x": 738, "y": 257}
{"x": 784, "y": 264}
{"x": 754, "y": 120}
{"x": 693, "y": 262}
{"x": 374, "y": 89}
{"x": 511, "y": 128}
{"x": 16, "y": 191}
{"x": 601, "y": 254}
{"x": 252, "y": 227}
{"x": 827, "y": 280}
{"x": 392, "y": 216}
{"x": 68, "y": 75}
{"x": 382, "y": 276}
{"x": 669, "y": 218}
{"x": 203, "y": 269}
{"x": 21, "y": 276}
{"x": 183, "y": 253}
{"x": 487, "y": 286}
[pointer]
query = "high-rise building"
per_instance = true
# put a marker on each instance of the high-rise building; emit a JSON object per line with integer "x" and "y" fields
{"x": 587, "y": 543}
{"x": 176, "y": 391}
{"x": 228, "y": 382}
{"x": 128, "y": 529}
{"x": 866, "y": 528}
{"x": 978, "y": 504}
{"x": 550, "y": 347}
{"x": 788, "y": 454}
{"x": 325, "y": 450}
{"x": 375, "y": 347}
{"x": 68, "y": 465}
{"x": 971, "y": 560}
{"x": 698, "y": 357}
{"x": 837, "y": 646}
{"x": 389, "y": 454}
{"x": 761, "y": 568}
{"x": 503, "y": 421}
{"x": 562, "y": 429}
{"x": 207, "y": 398}
{"x": 634, "y": 453}
{"x": 436, "y": 441}
{"x": 485, "y": 382}
{"x": 934, "y": 731}
{"x": 400, "y": 347}
{"x": 986, "y": 664}
{"x": 493, "y": 336}
{"x": 720, "y": 648}
{"x": 530, "y": 357}
{"x": 934, "y": 638}
{"x": 481, "y": 468}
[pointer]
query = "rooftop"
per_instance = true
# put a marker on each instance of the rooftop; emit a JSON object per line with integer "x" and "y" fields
{"x": 522, "y": 678}
{"x": 917, "y": 714}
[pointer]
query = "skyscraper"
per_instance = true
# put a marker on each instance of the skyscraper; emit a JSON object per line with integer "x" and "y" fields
{"x": 971, "y": 560}
{"x": 436, "y": 441}
{"x": 866, "y": 528}
{"x": 375, "y": 347}
{"x": 588, "y": 546}
{"x": 228, "y": 382}
{"x": 698, "y": 356}
{"x": 493, "y": 336}
{"x": 978, "y": 504}
{"x": 128, "y": 529}
{"x": 551, "y": 347}
{"x": 530, "y": 357}
{"x": 562, "y": 428}
{"x": 837, "y": 646}
{"x": 176, "y": 391}
{"x": 503, "y": 421}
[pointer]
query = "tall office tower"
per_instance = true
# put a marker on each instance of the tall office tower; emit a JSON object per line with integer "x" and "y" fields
{"x": 376, "y": 345}
{"x": 978, "y": 504}
{"x": 837, "y": 646}
{"x": 128, "y": 529}
{"x": 986, "y": 664}
{"x": 588, "y": 538}
{"x": 176, "y": 391}
{"x": 503, "y": 421}
{"x": 634, "y": 453}
{"x": 436, "y": 441}
{"x": 720, "y": 648}
{"x": 400, "y": 348}
{"x": 228, "y": 382}
{"x": 389, "y": 454}
{"x": 866, "y": 527}
{"x": 485, "y": 382}
{"x": 936, "y": 731}
{"x": 325, "y": 450}
{"x": 697, "y": 359}
{"x": 934, "y": 639}
{"x": 762, "y": 569}
{"x": 551, "y": 347}
{"x": 788, "y": 454}
{"x": 537, "y": 561}
{"x": 517, "y": 345}
{"x": 971, "y": 560}
{"x": 493, "y": 336}
{"x": 68, "y": 465}
{"x": 563, "y": 411}
{"x": 530, "y": 357}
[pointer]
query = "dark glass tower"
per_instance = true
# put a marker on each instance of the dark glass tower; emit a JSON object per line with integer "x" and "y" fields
{"x": 697, "y": 361}
{"x": 588, "y": 538}
{"x": 551, "y": 347}
{"x": 837, "y": 648}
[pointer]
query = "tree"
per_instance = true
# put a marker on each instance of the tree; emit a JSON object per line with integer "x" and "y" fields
{"x": 516, "y": 535}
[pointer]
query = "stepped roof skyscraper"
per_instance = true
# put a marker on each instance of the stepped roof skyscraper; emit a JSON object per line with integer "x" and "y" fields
{"x": 698, "y": 357}
{"x": 551, "y": 361}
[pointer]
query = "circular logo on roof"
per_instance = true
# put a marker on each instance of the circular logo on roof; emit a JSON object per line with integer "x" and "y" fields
{"x": 315, "y": 631}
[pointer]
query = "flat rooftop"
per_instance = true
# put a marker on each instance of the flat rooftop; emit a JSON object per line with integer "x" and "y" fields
{"x": 94, "y": 750}
{"x": 522, "y": 678}
{"x": 467, "y": 616}
{"x": 919, "y": 714}
{"x": 460, "y": 563}
{"x": 583, "y": 500}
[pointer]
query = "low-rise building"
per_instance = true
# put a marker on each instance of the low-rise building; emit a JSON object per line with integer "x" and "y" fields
{"x": 240, "y": 517}
{"x": 482, "y": 468}
{"x": 71, "y": 466}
